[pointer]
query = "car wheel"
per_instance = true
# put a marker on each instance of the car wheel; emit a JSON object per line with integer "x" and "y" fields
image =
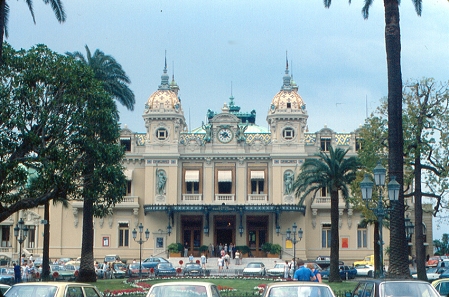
{"x": 370, "y": 274}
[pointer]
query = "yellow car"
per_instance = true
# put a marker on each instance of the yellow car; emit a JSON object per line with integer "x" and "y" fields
{"x": 442, "y": 286}
{"x": 53, "y": 289}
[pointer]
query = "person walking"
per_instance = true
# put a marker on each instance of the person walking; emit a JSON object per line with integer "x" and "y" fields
{"x": 220, "y": 264}
{"x": 303, "y": 273}
{"x": 227, "y": 259}
{"x": 17, "y": 273}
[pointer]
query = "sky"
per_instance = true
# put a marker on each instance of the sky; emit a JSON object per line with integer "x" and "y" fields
{"x": 336, "y": 57}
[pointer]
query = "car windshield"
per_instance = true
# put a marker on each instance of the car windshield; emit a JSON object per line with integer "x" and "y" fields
{"x": 135, "y": 266}
{"x": 178, "y": 291}
{"x": 254, "y": 265}
{"x": 279, "y": 266}
{"x": 31, "y": 291}
{"x": 164, "y": 266}
{"x": 193, "y": 266}
{"x": 412, "y": 289}
{"x": 300, "y": 291}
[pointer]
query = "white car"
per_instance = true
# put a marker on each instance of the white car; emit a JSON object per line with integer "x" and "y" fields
{"x": 278, "y": 270}
{"x": 365, "y": 270}
{"x": 179, "y": 289}
{"x": 254, "y": 269}
{"x": 433, "y": 273}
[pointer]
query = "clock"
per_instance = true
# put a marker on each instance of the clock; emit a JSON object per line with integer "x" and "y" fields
{"x": 225, "y": 135}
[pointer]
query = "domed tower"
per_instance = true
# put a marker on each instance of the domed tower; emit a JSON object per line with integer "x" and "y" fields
{"x": 163, "y": 116}
{"x": 287, "y": 116}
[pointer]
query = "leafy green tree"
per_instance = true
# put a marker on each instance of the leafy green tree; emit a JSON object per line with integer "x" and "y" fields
{"x": 442, "y": 246}
{"x": 115, "y": 82}
{"x": 56, "y": 5}
{"x": 334, "y": 172}
{"x": 56, "y": 119}
{"x": 110, "y": 73}
{"x": 426, "y": 144}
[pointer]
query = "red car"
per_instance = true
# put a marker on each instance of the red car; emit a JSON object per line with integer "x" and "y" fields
{"x": 133, "y": 270}
{"x": 433, "y": 261}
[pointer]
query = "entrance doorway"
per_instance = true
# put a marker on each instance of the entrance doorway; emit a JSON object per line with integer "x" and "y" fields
{"x": 257, "y": 227}
{"x": 191, "y": 233}
{"x": 224, "y": 230}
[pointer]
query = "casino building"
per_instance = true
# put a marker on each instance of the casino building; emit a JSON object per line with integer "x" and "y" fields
{"x": 228, "y": 181}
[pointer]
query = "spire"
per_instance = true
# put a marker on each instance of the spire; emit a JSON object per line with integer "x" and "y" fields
{"x": 292, "y": 81}
{"x": 231, "y": 99}
{"x": 173, "y": 85}
{"x": 286, "y": 79}
{"x": 164, "y": 77}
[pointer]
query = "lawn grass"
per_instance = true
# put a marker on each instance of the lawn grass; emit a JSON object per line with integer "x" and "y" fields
{"x": 241, "y": 285}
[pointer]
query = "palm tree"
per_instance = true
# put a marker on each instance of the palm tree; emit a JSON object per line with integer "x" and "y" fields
{"x": 398, "y": 266}
{"x": 333, "y": 172}
{"x": 56, "y": 5}
{"x": 107, "y": 70}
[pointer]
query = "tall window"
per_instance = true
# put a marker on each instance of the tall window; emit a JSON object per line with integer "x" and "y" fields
{"x": 325, "y": 143}
{"x": 126, "y": 142}
{"x": 358, "y": 143}
{"x": 123, "y": 234}
{"x": 257, "y": 182}
{"x": 192, "y": 181}
{"x": 128, "y": 187}
{"x": 6, "y": 233}
{"x": 31, "y": 236}
{"x": 326, "y": 236}
{"x": 324, "y": 192}
{"x": 225, "y": 181}
{"x": 362, "y": 240}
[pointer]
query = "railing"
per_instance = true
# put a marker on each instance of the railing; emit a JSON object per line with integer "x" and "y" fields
{"x": 192, "y": 198}
{"x": 221, "y": 198}
{"x": 257, "y": 198}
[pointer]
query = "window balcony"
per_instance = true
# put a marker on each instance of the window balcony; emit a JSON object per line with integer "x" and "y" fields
{"x": 325, "y": 203}
{"x": 257, "y": 198}
{"x": 192, "y": 198}
{"x": 224, "y": 198}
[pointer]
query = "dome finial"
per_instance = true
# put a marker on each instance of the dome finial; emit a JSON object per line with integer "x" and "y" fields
{"x": 286, "y": 63}
{"x": 286, "y": 86}
{"x": 164, "y": 77}
{"x": 231, "y": 99}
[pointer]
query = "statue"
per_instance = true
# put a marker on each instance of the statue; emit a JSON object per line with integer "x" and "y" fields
{"x": 207, "y": 128}
{"x": 241, "y": 132}
{"x": 161, "y": 181}
{"x": 288, "y": 182}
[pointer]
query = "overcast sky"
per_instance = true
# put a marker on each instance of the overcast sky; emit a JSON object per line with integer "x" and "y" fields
{"x": 337, "y": 58}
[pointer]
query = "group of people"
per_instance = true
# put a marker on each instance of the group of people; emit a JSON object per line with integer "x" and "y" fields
{"x": 26, "y": 271}
{"x": 217, "y": 251}
{"x": 306, "y": 272}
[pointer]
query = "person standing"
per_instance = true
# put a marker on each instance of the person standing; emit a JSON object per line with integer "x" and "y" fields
{"x": 231, "y": 250}
{"x": 191, "y": 258}
{"x": 203, "y": 261}
{"x": 186, "y": 249}
{"x": 17, "y": 273}
{"x": 211, "y": 250}
{"x": 227, "y": 259}
{"x": 315, "y": 271}
{"x": 220, "y": 264}
{"x": 286, "y": 269}
{"x": 237, "y": 257}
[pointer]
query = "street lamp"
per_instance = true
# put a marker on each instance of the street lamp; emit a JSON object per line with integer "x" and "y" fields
{"x": 380, "y": 211}
{"x": 21, "y": 233}
{"x": 294, "y": 240}
{"x": 140, "y": 242}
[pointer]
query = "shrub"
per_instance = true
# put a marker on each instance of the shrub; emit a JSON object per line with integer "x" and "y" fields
{"x": 275, "y": 249}
{"x": 266, "y": 247}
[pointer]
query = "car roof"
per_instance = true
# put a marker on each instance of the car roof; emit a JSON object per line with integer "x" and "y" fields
{"x": 182, "y": 284}
{"x": 296, "y": 283}
{"x": 56, "y": 284}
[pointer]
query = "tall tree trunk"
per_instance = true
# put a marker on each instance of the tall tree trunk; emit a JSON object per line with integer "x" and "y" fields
{"x": 46, "y": 245}
{"x": 2, "y": 27}
{"x": 376, "y": 250}
{"x": 398, "y": 245}
{"x": 87, "y": 269}
{"x": 419, "y": 240}
{"x": 334, "y": 273}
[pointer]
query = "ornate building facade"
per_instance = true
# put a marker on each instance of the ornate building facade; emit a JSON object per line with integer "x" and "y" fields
{"x": 228, "y": 181}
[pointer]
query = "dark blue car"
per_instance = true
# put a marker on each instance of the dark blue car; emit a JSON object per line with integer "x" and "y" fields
{"x": 164, "y": 269}
{"x": 346, "y": 272}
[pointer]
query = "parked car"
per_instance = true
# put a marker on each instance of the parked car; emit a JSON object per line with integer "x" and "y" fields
{"x": 393, "y": 288}
{"x": 254, "y": 269}
{"x": 103, "y": 271}
{"x": 433, "y": 273}
{"x": 278, "y": 270}
{"x": 60, "y": 273}
{"x": 346, "y": 272}
{"x": 192, "y": 269}
{"x": 4, "y": 288}
{"x": 37, "y": 262}
{"x": 297, "y": 289}
{"x": 368, "y": 260}
{"x": 181, "y": 289}
{"x": 133, "y": 270}
{"x": 164, "y": 269}
{"x": 53, "y": 289}
{"x": 119, "y": 270}
{"x": 7, "y": 276}
{"x": 433, "y": 261}
{"x": 365, "y": 270}
{"x": 112, "y": 258}
{"x": 152, "y": 262}
{"x": 445, "y": 274}
{"x": 442, "y": 286}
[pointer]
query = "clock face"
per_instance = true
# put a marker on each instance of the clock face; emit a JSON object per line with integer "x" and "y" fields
{"x": 225, "y": 135}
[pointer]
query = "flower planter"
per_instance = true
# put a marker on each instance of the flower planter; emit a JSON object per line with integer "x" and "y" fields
{"x": 175, "y": 255}
{"x": 272, "y": 255}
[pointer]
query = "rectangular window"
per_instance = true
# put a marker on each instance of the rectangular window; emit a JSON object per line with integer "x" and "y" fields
{"x": 362, "y": 237}
{"x": 31, "y": 236}
{"x": 324, "y": 192}
{"x": 325, "y": 143}
{"x": 358, "y": 143}
{"x": 105, "y": 241}
{"x": 159, "y": 242}
{"x": 126, "y": 142}
{"x": 225, "y": 182}
{"x": 6, "y": 233}
{"x": 257, "y": 182}
{"x": 128, "y": 187}
{"x": 192, "y": 181}
{"x": 326, "y": 236}
{"x": 123, "y": 234}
